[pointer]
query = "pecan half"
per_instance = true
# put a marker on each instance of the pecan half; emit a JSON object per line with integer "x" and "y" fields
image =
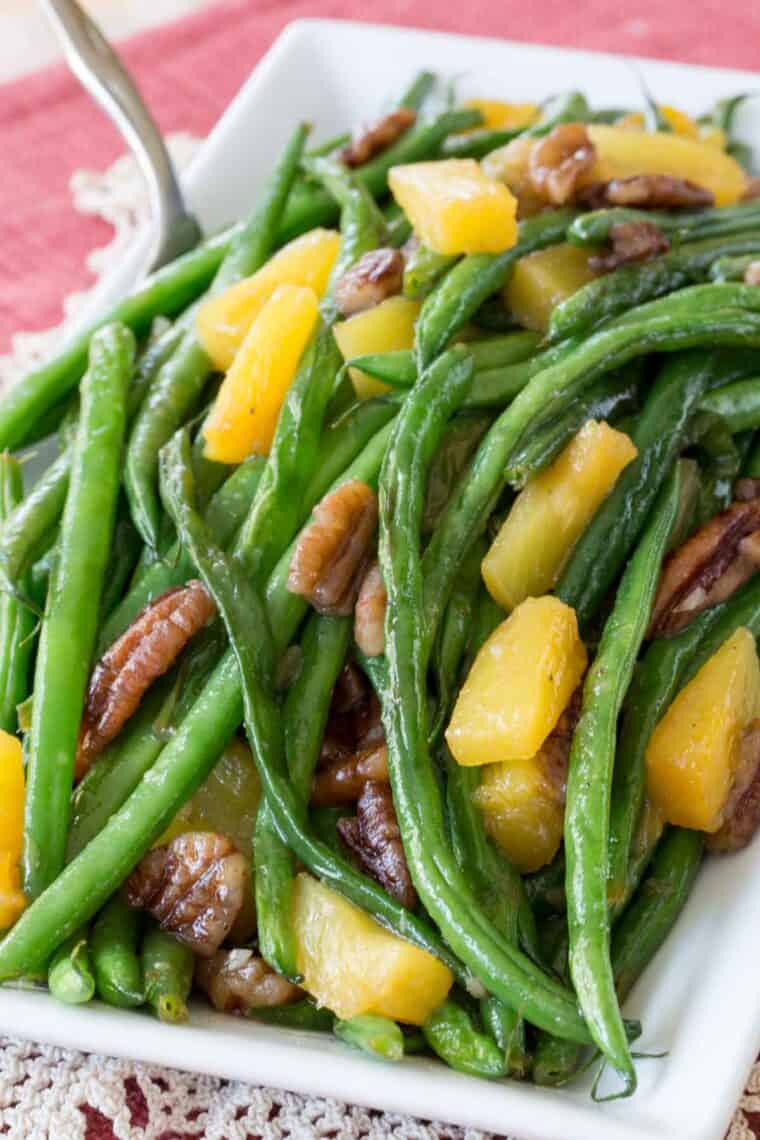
{"x": 558, "y": 162}
{"x": 374, "y": 837}
{"x": 647, "y": 192}
{"x": 631, "y": 242}
{"x": 139, "y": 657}
{"x": 378, "y": 137}
{"x": 746, "y": 489}
{"x": 237, "y": 981}
{"x": 332, "y": 551}
{"x": 375, "y": 276}
{"x": 742, "y": 811}
{"x": 752, "y": 273}
{"x": 343, "y": 782}
{"x": 708, "y": 568}
{"x": 369, "y": 616}
{"x": 194, "y": 888}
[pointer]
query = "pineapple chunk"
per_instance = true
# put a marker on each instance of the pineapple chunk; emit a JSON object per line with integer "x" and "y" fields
{"x": 623, "y": 153}
{"x": 353, "y": 966}
{"x": 454, "y": 207}
{"x": 542, "y": 280}
{"x": 223, "y": 321}
{"x": 551, "y": 512}
{"x": 387, "y": 327}
{"x": 523, "y": 811}
{"x": 693, "y": 752}
{"x": 244, "y": 415}
{"x": 227, "y": 800}
{"x": 498, "y": 116}
{"x": 518, "y": 685}
{"x": 12, "y": 900}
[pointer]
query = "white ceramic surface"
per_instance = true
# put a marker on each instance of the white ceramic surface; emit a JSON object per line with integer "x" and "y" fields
{"x": 700, "y": 999}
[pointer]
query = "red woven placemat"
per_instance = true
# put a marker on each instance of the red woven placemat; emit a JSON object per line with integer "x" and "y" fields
{"x": 190, "y": 70}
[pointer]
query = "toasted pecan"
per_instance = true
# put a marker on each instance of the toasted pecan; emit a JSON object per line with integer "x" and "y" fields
{"x": 237, "y": 981}
{"x": 708, "y": 567}
{"x": 630, "y": 242}
{"x": 374, "y": 277}
{"x": 378, "y": 137}
{"x": 558, "y": 162}
{"x": 194, "y": 887}
{"x": 139, "y": 657}
{"x": 343, "y": 782}
{"x": 332, "y": 551}
{"x": 647, "y": 192}
{"x": 369, "y": 615}
{"x": 374, "y": 837}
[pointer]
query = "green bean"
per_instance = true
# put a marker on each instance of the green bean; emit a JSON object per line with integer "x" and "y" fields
{"x": 115, "y": 962}
{"x": 545, "y": 888}
{"x": 680, "y": 225}
{"x": 725, "y": 269}
{"x": 493, "y": 316}
{"x": 547, "y": 395}
{"x": 378, "y": 1036}
{"x": 418, "y": 91}
{"x": 17, "y": 621}
{"x": 720, "y": 461}
{"x": 450, "y": 1033}
{"x": 70, "y": 977}
{"x": 588, "y": 788}
{"x": 478, "y": 143}
{"x": 117, "y": 772}
{"x": 167, "y": 968}
{"x": 632, "y": 285}
{"x": 423, "y": 269}
{"x": 167, "y": 292}
{"x": 454, "y": 453}
{"x": 180, "y": 381}
{"x": 608, "y": 399}
{"x": 722, "y": 116}
{"x": 507, "y": 1029}
{"x": 125, "y": 551}
{"x": 362, "y": 224}
{"x": 309, "y": 207}
{"x": 67, "y": 638}
{"x": 252, "y": 663}
{"x": 659, "y": 435}
{"x": 655, "y": 906}
{"x": 299, "y": 1015}
{"x": 29, "y": 530}
{"x": 443, "y": 889}
{"x": 465, "y": 287}
{"x": 323, "y": 647}
{"x": 225, "y": 514}
{"x": 452, "y": 640}
{"x": 737, "y": 404}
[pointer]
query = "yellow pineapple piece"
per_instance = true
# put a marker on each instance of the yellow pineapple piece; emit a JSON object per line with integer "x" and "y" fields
{"x": 551, "y": 512}
{"x": 353, "y": 966}
{"x": 543, "y": 280}
{"x": 388, "y": 327}
{"x": 227, "y": 801}
{"x": 223, "y": 321}
{"x": 693, "y": 752}
{"x": 12, "y": 900}
{"x": 244, "y": 415}
{"x": 625, "y": 150}
{"x": 623, "y": 153}
{"x": 518, "y": 685}
{"x": 454, "y": 207}
{"x": 523, "y": 811}
{"x": 498, "y": 116}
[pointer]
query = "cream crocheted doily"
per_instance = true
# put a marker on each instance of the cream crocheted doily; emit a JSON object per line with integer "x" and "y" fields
{"x": 57, "y": 1094}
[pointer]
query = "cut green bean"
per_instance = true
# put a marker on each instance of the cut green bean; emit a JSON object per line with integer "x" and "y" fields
{"x": 167, "y": 969}
{"x": 70, "y": 978}
{"x": 17, "y": 621}
{"x": 378, "y": 1036}
{"x": 115, "y": 960}
{"x": 67, "y": 638}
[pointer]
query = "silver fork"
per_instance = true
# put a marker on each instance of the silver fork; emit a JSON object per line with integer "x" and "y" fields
{"x": 99, "y": 69}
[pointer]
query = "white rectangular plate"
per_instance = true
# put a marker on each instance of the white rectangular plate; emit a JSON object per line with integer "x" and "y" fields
{"x": 700, "y": 999}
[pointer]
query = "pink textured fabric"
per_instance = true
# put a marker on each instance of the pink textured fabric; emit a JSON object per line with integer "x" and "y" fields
{"x": 190, "y": 70}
